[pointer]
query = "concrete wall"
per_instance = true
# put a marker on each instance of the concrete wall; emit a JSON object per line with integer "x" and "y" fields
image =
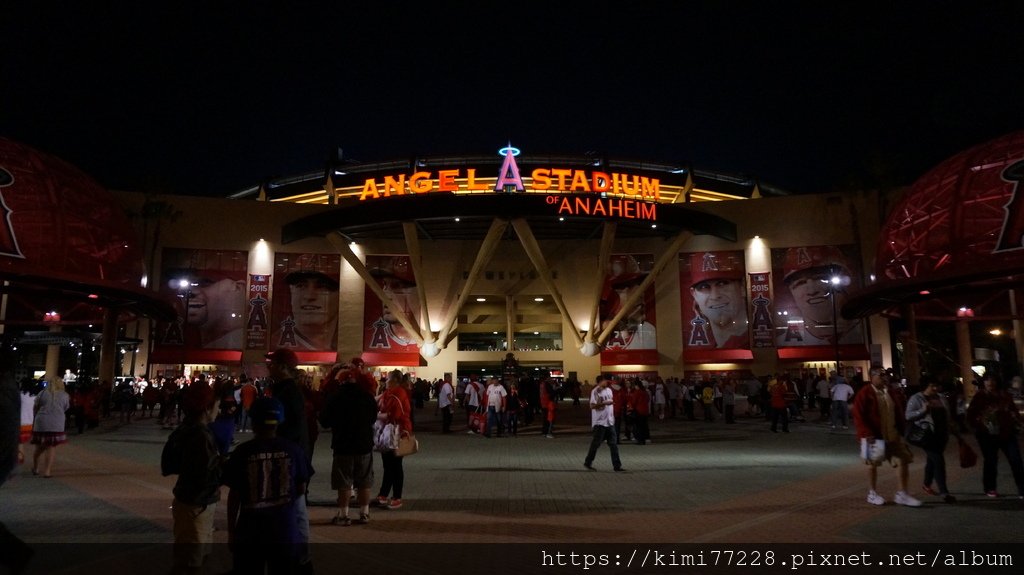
{"x": 779, "y": 223}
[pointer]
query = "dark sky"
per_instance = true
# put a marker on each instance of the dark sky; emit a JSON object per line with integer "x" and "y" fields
{"x": 808, "y": 96}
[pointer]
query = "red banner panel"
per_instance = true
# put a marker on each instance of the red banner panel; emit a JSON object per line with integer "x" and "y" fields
{"x": 634, "y": 340}
{"x": 811, "y": 286}
{"x": 762, "y": 327}
{"x": 714, "y": 305}
{"x": 383, "y": 334}
{"x": 305, "y": 308}
{"x": 209, "y": 286}
{"x": 257, "y": 323}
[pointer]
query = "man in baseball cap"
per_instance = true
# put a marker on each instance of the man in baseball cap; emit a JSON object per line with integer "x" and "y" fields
{"x": 214, "y": 300}
{"x": 396, "y": 278}
{"x": 634, "y": 331}
{"x": 814, "y": 274}
{"x": 313, "y": 295}
{"x": 716, "y": 284}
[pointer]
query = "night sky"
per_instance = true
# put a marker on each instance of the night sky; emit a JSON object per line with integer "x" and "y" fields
{"x": 808, "y": 96}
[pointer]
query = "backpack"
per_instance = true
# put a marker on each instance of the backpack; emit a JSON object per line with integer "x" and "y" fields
{"x": 172, "y": 454}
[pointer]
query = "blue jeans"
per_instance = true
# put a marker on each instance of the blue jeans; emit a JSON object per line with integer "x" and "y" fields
{"x": 604, "y": 433}
{"x": 493, "y": 421}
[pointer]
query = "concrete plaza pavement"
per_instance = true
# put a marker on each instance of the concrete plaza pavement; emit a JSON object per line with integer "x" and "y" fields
{"x": 696, "y": 482}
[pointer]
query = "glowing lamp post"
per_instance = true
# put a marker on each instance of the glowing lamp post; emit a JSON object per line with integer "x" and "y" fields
{"x": 184, "y": 287}
{"x": 834, "y": 282}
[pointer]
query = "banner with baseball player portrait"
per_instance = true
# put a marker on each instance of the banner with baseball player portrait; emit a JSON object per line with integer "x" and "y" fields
{"x": 634, "y": 339}
{"x": 714, "y": 303}
{"x": 304, "y": 313}
{"x": 811, "y": 286}
{"x": 209, "y": 287}
{"x": 383, "y": 333}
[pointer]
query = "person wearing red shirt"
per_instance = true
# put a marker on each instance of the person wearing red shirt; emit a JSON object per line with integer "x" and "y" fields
{"x": 395, "y": 406}
{"x": 548, "y": 403}
{"x": 639, "y": 406}
{"x": 879, "y": 412}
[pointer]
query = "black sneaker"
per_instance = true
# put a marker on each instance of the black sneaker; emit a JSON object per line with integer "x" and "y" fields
{"x": 588, "y": 466}
{"x": 620, "y": 469}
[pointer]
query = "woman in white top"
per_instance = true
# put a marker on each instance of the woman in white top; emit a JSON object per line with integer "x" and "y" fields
{"x": 28, "y": 402}
{"x": 51, "y": 405}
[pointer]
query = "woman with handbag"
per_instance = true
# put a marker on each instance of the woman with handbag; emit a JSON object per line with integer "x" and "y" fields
{"x": 929, "y": 425}
{"x": 394, "y": 407}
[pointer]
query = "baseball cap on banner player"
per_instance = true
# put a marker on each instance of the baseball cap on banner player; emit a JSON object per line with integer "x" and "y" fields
{"x": 311, "y": 266}
{"x": 707, "y": 266}
{"x": 812, "y": 257}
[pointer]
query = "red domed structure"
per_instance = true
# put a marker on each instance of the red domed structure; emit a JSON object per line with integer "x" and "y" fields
{"x": 64, "y": 239}
{"x": 955, "y": 240}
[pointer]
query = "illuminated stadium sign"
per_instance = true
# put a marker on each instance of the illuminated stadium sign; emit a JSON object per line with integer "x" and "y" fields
{"x": 549, "y": 180}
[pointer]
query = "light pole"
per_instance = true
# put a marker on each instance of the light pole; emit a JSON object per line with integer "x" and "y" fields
{"x": 184, "y": 286}
{"x": 834, "y": 282}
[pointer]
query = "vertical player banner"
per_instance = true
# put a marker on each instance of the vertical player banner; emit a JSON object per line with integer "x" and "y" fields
{"x": 713, "y": 303}
{"x": 257, "y": 323}
{"x": 385, "y": 340}
{"x": 762, "y": 327}
{"x": 811, "y": 286}
{"x": 634, "y": 340}
{"x": 209, "y": 289}
{"x": 304, "y": 314}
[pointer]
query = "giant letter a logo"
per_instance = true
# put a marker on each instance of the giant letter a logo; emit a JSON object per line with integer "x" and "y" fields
{"x": 1012, "y": 237}
{"x": 8, "y": 241}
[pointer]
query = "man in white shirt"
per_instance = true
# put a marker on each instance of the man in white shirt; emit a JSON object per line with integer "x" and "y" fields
{"x": 445, "y": 403}
{"x": 841, "y": 394}
{"x": 602, "y": 417}
{"x": 496, "y": 395}
{"x": 473, "y": 389}
{"x": 824, "y": 389}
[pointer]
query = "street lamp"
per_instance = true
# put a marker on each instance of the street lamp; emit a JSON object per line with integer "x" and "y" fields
{"x": 184, "y": 286}
{"x": 834, "y": 283}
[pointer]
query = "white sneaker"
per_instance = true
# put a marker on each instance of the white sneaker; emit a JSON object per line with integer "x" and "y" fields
{"x": 875, "y": 499}
{"x": 904, "y": 498}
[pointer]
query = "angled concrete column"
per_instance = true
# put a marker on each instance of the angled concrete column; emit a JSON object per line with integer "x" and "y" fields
{"x": 483, "y": 256}
{"x": 541, "y": 265}
{"x": 360, "y": 268}
{"x": 590, "y": 348}
{"x": 671, "y": 252}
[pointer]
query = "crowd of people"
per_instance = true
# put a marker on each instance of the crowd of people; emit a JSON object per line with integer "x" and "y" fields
{"x": 268, "y": 523}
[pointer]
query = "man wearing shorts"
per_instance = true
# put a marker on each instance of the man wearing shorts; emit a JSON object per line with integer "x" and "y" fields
{"x": 350, "y": 413}
{"x": 879, "y": 413}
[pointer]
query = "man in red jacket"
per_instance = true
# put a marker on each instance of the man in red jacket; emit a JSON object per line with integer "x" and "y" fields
{"x": 879, "y": 413}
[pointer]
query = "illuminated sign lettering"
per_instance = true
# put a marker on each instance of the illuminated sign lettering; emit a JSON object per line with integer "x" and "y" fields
{"x": 604, "y": 207}
{"x": 509, "y": 179}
